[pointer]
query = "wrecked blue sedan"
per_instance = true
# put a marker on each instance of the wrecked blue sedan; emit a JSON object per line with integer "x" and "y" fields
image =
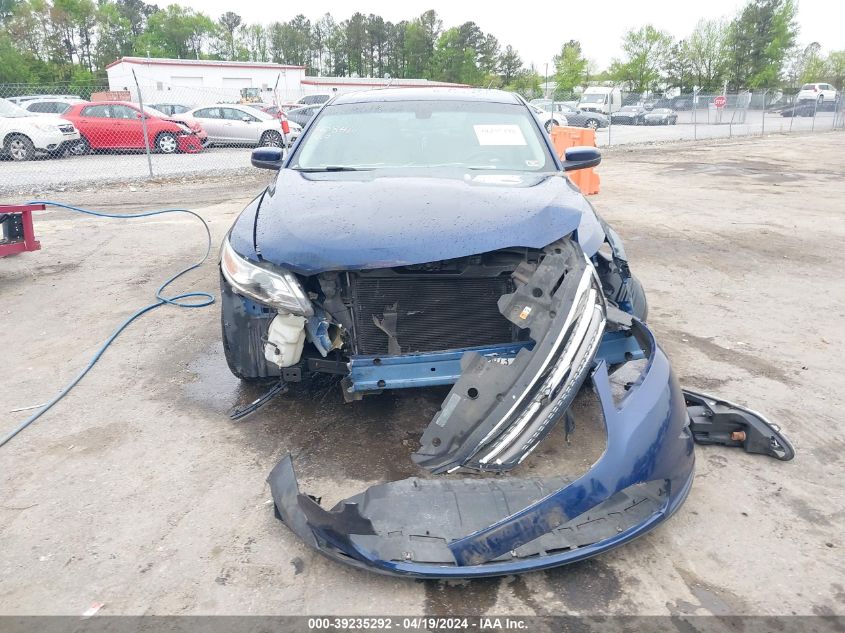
{"x": 415, "y": 238}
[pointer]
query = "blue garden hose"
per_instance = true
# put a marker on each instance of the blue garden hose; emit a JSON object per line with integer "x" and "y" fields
{"x": 184, "y": 300}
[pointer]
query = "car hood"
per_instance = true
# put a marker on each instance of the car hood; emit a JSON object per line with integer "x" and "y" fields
{"x": 314, "y": 222}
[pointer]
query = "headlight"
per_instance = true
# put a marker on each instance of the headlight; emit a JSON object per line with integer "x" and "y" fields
{"x": 277, "y": 288}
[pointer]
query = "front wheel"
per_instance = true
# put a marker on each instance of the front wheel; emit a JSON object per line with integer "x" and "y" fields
{"x": 167, "y": 143}
{"x": 271, "y": 139}
{"x": 80, "y": 147}
{"x": 593, "y": 124}
{"x": 20, "y": 148}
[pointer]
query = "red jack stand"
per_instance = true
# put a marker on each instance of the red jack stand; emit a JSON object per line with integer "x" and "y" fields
{"x": 16, "y": 231}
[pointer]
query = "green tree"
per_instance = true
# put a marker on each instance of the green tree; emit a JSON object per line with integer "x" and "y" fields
{"x": 646, "y": 53}
{"x": 706, "y": 48}
{"x": 510, "y": 63}
{"x": 571, "y": 69}
{"x": 680, "y": 71}
{"x": 416, "y": 51}
{"x": 115, "y": 38}
{"x": 758, "y": 43}
{"x": 814, "y": 65}
{"x": 525, "y": 82}
{"x": 229, "y": 23}
{"x": 489, "y": 55}
{"x": 177, "y": 32}
{"x": 836, "y": 69}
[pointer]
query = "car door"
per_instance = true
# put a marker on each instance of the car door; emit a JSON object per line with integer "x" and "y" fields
{"x": 129, "y": 128}
{"x": 242, "y": 126}
{"x": 94, "y": 124}
{"x": 212, "y": 122}
{"x": 829, "y": 92}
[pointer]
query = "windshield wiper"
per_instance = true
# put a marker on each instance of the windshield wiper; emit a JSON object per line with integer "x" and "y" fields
{"x": 331, "y": 168}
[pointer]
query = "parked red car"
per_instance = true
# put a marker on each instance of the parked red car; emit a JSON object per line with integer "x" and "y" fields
{"x": 120, "y": 125}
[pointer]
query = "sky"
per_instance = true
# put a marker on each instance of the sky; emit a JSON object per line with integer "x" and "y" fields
{"x": 539, "y": 31}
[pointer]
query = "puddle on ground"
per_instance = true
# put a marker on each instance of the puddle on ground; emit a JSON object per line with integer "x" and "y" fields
{"x": 370, "y": 440}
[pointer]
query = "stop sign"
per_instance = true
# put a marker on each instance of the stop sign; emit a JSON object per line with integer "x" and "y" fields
{"x": 720, "y": 101}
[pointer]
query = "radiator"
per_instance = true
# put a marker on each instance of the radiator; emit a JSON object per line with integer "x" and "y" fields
{"x": 432, "y": 313}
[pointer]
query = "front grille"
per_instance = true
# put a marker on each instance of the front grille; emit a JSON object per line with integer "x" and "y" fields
{"x": 67, "y": 129}
{"x": 431, "y": 313}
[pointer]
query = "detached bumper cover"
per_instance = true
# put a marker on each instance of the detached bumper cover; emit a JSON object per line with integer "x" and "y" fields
{"x": 462, "y": 528}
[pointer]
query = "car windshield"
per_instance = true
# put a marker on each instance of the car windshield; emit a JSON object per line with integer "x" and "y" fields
{"x": 593, "y": 98}
{"x": 808, "y": 86}
{"x": 661, "y": 111}
{"x": 10, "y": 110}
{"x": 428, "y": 134}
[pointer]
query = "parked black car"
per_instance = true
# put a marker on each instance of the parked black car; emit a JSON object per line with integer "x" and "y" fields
{"x": 629, "y": 115}
{"x": 681, "y": 103}
{"x": 661, "y": 116}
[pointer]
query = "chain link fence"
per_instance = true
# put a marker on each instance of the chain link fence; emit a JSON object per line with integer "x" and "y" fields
{"x": 75, "y": 135}
{"x": 643, "y": 118}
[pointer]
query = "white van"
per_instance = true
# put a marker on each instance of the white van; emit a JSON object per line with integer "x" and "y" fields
{"x": 600, "y": 99}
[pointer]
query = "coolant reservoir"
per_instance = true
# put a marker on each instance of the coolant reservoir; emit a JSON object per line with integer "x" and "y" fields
{"x": 285, "y": 339}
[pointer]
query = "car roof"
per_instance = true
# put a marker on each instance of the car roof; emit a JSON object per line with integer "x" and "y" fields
{"x": 427, "y": 94}
{"x": 61, "y": 99}
{"x": 229, "y": 105}
{"x": 126, "y": 103}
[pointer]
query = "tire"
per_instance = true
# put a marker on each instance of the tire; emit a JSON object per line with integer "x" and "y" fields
{"x": 272, "y": 139}
{"x": 19, "y": 147}
{"x": 593, "y": 124}
{"x": 80, "y": 148}
{"x": 166, "y": 143}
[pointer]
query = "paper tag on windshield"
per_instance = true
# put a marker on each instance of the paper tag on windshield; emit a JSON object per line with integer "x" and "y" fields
{"x": 499, "y": 135}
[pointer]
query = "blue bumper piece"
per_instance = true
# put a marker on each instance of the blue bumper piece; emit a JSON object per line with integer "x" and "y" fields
{"x": 373, "y": 373}
{"x": 642, "y": 478}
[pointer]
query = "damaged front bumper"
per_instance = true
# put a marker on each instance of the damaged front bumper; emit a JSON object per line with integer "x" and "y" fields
{"x": 494, "y": 526}
{"x": 501, "y": 406}
{"x": 504, "y": 401}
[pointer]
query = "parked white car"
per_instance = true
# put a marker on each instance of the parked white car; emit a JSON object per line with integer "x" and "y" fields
{"x": 547, "y": 119}
{"x": 24, "y": 134}
{"x": 50, "y": 105}
{"x": 823, "y": 93}
{"x": 237, "y": 124}
{"x": 24, "y": 98}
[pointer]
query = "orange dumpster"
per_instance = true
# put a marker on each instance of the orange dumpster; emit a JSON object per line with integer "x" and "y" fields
{"x": 587, "y": 180}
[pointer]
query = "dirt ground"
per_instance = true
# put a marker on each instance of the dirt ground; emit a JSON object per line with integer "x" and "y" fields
{"x": 138, "y": 492}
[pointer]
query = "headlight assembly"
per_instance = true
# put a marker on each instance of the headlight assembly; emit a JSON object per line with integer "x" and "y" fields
{"x": 274, "y": 287}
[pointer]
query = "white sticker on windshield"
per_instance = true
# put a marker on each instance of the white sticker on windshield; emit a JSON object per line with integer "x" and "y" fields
{"x": 499, "y": 135}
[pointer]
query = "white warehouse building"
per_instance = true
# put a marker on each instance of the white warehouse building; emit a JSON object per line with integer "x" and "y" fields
{"x": 194, "y": 82}
{"x": 197, "y": 81}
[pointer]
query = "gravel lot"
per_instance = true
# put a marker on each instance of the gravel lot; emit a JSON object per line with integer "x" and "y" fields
{"x": 80, "y": 172}
{"x": 138, "y": 492}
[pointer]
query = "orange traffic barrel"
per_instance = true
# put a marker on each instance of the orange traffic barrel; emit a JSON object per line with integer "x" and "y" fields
{"x": 587, "y": 180}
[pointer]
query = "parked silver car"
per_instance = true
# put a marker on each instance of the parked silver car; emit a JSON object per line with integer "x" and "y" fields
{"x": 236, "y": 124}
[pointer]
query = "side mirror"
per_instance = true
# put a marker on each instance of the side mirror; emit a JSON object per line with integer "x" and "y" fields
{"x": 580, "y": 158}
{"x": 246, "y": 119}
{"x": 268, "y": 157}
